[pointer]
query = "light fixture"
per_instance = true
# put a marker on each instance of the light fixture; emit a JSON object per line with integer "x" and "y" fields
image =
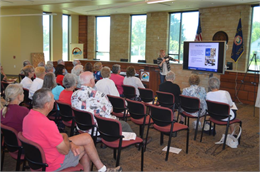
{"x": 158, "y": 1}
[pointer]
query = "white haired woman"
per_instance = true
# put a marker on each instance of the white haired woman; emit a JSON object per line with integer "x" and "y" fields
{"x": 69, "y": 82}
{"x": 77, "y": 70}
{"x": 12, "y": 114}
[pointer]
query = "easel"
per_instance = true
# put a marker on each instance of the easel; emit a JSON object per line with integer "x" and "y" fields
{"x": 256, "y": 71}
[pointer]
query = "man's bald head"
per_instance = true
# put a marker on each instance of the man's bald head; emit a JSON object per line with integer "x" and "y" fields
{"x": 87, "y": 79}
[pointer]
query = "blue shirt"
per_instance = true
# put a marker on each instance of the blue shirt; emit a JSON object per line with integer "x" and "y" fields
{"x": 56, "y": 91}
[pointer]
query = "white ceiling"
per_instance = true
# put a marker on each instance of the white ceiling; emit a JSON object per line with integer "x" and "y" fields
{"x": 107, "y": 7}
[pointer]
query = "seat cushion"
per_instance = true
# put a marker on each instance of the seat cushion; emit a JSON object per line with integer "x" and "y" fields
{"x": 120, "y": 115}
{"x": 224, "y": 122}
{"x": 67, "y": 123}
{"x": 14, "y": 155}
{"x": 115, "y": 144}
{"x": 141, "y": 120}
{"x": 166, "y": 129}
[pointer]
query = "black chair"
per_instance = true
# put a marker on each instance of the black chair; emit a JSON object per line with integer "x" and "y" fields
{"x": 67, "y": 116}
{"x": 111, "y": 135}
{"x": 123, "y": 60}
{"x": 217, "y": 112}
{"x": 21, "y": 76}
{"x": 27, "y": 102}
{"x": 141, "y": 61}
{"x": 146, "y": 95}
{"x": 164, "y": 123}
{"x": 166, "y": 100}
{"x": 154, "y": 61}
{"x": 119, "y": 107}
{"x": 54, "y": 114}
{"x": 35, "y": 156}
{"x": 129, "y": 91}
{"x": 13, "y": 145}
{"x": 190, "y": 105}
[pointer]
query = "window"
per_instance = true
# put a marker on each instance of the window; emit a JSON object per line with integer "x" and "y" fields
{"x": 102, "y": 38}
{"x": 183, "y": 27}
{"x": 65, "y": 37}
{"x": 255, "y": 40}
{"x": 46, "y": 24}
{"x": 138, "y": 37}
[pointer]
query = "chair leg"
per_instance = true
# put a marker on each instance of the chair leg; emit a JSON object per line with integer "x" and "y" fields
{"x": 24, "y": 165}
{"x": 161, "y": 140}
{"x": 188, "y": 122}
{"x": 3, "y": 156}
{"x": 178, "y": 116}
{"x": 224, "y": 144}
{"x": 214, "y": 133}
{"x": 147, "y": 133}
{"x": 140, "y": 131}
{"x": 187, "y": 141}
{"x": 142, "y": 157}
{"x": 115, "y": 154}
{"x": 240, "y": 135}
{"x": 118, "y": 156}
{"x": 202, "y": 130}
{"x": 168, "y": 148}
{"x": 196, "y": 130}
{"x": 18, "y": 160}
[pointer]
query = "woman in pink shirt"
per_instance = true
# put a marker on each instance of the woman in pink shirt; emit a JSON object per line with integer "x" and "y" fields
{"x": 117, "y": 78}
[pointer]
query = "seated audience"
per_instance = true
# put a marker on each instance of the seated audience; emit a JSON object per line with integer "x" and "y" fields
{"x": 25, "y": 63}
{"x": 50, "y": 63}
{"x": 29, "y": 73}
{"x": 196, "y": 91}
{"x": 3, "y": 75}
{"x": 77, "y": 70}
{"x": 38, "y": 81}
{"x": 169, "y": 87}
{"x": 220, "y": 96}
{"x": 12, "y": 114}
{"x": 88, "y": 67}
{"x": 60, "y": 150}
{"x": 48, "y": 68}
{"x": 59, "y": 73}
{"x": 76, "y": 62}
{"x": 62, "y": 63}
{"x": 106, "y": 85}
{"x": 95, "y": 102}
{"x": 69, "y": 82}
{"x": 41, "y": 64}
{"x": 97, "y": 74}
{"x": 50, "y": 83}
{"x": 131, "y": 80}
{"x": 117, "y": 78}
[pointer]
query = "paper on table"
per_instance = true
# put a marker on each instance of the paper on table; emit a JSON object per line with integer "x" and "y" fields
{"x": 172, "y": 150}
{"x": 234, "y": 107}
{"x": 129, "y": 135}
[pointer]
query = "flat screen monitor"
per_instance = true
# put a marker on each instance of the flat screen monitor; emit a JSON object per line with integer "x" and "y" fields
{"x": 204, "y": 56}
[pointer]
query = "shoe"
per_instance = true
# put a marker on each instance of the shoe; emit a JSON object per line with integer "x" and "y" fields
{"x": 118, "y": 168}
{"x": 181, "y": 122}
{"x": 103, "y": 146}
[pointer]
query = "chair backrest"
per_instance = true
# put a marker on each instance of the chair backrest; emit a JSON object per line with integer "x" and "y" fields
{"x": 165, "y": 99}
{"x": 33, "y": 153}
{"x": 10, "y": 138}
{"x": 84, "y": 119}
{"x": 146, "y": 94}
{"x": 21, "y": 76}
{"x": 129, "y": 91}
{"x": 26, "y": 96}
{"x": 136, "y": 109}
{"x": 65, "y": 111}
{"x": 4, "y": 84}
{"x": 218, "y": 110}
{"x": 118, "y": 103}
{"x": 110, "y": 129}
{"x": 161, "y": 116}
{"x": 54, "y": 110}
{"x": 189, "y": 104}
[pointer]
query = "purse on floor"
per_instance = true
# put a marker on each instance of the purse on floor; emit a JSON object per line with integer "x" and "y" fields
{"x": 231, "y": 141}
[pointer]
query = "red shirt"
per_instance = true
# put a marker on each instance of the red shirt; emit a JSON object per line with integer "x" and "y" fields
{"x": 14, "y": 116}
{"x": 118, "y": 80}
{"x": 39, "y": 129}
{"x": 59, "y": 79}
{"x": 65, "y": 96}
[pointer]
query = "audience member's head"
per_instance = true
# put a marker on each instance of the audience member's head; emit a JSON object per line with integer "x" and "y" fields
{"x": 194, "y": 79}
{"x": 41, "y": 64}
{"x": 76, "y": 62}
{"x": 88, "y": 67}
{"x": 60, "y": 61}
{"x": 116, "y": 68}
{"x": 97, "y": 66}
{"x": 26, "y": 62}
{"x": 69, "y": 81}
{"x": 130, "y": 71}
{"x": 28, "y": 71}
{"x": 87, "y": 79}
{"x": 170, "y": 76}
{"x": 40, "y": 72}
{"x": 50, "y": 62}
{"x": 13, "y": 94}
{"x": 60, "y": 70}
{"x": 49, "y": 68}
{"x": 105, "y": 72}
{"x": 49, "y": 81}
{"x": 214, "y": 83}
{"x": 43, "y": 99}
{"x": 77, "y": 70}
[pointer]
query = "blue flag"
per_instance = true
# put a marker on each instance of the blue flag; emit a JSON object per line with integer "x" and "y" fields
{"x": 238, "y": 43}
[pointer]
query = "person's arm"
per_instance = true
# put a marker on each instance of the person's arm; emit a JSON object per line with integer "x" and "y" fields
{"x": 161, "y": 62}
{"x": 139, "y": 83}
{"x": 229, "y": 100}
{"x": 170, "y": 58}
{"x": 64, "y": 146}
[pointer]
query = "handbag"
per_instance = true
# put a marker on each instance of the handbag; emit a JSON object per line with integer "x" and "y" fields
{"x": 231, "y": 141}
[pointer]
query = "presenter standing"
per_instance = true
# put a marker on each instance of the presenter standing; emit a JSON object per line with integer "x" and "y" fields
{"x": 164, "y": 64}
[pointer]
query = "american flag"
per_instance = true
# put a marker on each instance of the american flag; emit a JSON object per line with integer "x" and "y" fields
{"x": 199, "y": 33}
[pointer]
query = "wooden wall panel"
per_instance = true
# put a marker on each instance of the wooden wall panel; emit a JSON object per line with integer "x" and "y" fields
{"x": 83, "y": 21}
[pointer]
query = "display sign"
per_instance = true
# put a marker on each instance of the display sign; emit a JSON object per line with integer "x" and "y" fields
{"x": 76, "y": 51}
{"x": 145, "y": 76}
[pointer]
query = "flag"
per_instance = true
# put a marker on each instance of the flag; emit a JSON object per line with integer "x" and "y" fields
{"x": 238, "y": 44}
{"x": 199, "y": 33}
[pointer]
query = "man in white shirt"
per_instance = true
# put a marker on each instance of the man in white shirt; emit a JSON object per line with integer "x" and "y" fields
{"x": 38, "y": 81}
{"x": 107, "y": 85}
{"x": 29, "y": 73}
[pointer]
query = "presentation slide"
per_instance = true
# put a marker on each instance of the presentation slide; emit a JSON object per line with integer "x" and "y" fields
{"x": 203, "y": 56}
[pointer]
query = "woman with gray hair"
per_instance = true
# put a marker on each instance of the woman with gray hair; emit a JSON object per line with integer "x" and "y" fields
{"x": 77, "y": 70}
{"x": 50, "y": 83}
{"x": 12, "y": 114}
{"x": 69, "y": 82}
{"x": 220, "y": 96}
{"x": 117, "y": 78}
